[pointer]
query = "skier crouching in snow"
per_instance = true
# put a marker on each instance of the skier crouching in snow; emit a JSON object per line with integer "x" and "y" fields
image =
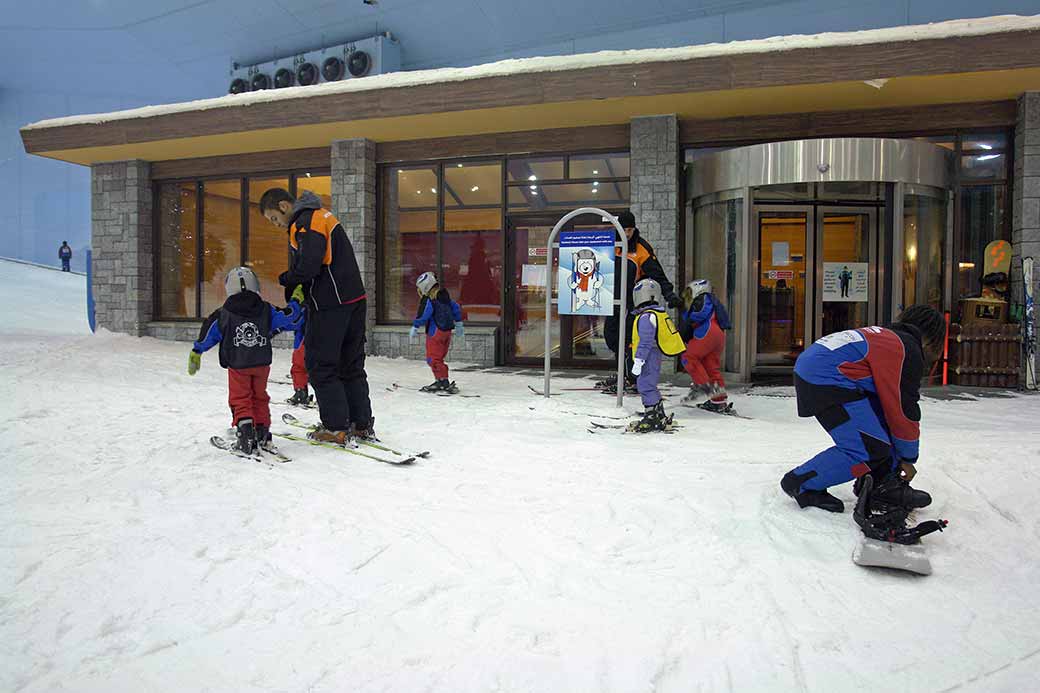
{"x": 243, "y": 328}
{"x": 863, "y": 386}
{"x": 653, "y": 337}
{"x": 440, "y": 316}
{"x": 701, "y": 324}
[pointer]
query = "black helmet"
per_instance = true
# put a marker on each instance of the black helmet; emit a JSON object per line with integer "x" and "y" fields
{"x": 627, "y": 220}
{"x": 929, "y": 321}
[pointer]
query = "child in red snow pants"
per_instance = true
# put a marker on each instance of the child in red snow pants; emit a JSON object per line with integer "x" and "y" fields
{"x": 247, "y": 395}
{"x": 437, "y": 345}
{"x": 703, "y": 356}
{"x": 298, "y": 372}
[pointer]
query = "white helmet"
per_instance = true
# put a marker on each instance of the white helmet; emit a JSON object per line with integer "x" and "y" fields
{"x": 241, "y": 279}
{"x": 646, "y": 291}
{"x": 695, "y": 289}
{"x": 425, "y": 282}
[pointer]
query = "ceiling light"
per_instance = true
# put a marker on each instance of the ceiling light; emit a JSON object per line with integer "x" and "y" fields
{"x": 459, "y": 165}
{"x": 985, "y": 146}
{"x": 595, "y": 190}
{"x": 433, "y": 190}
{"x": 400, "y": 170}
{"x": 987, "y": 157}
{"x": 534, "y": 187}
{"x": 595, "y": 172}
{"x": 595, "y": 182}
{"x": 475, "y": 188}
{"x": 535, "y": 192}
{"x": 532, "y": 177}
{"x": 308, "y": 174}
{"x": 418, "y": 192}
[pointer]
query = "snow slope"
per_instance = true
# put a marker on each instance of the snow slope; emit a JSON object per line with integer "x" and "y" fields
{"x": 524, "y": 555}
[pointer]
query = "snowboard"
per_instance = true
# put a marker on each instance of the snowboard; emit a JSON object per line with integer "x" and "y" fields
{"x": 1029, "y": 325}
{"x": 912, "y": 558}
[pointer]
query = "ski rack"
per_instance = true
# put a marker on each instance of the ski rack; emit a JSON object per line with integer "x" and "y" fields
{"x": 623, "y": 302}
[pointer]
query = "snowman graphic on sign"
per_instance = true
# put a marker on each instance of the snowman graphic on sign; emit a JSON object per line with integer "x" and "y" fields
{"x": 586, "y": 280}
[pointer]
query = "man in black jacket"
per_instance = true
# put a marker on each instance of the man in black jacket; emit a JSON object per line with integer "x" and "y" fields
{"x": 323, "y": 262}
{"x": 642, "y": 263}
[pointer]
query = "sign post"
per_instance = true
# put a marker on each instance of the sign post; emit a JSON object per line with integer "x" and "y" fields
{"x": 583, "y": 286}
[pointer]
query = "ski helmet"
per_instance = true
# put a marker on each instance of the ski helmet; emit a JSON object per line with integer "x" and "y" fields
{"x": 929, "y": 321}
{"x": 646, "y": 291}
{"x": 241, "y": 279}
{"x": 425, "y": 282}
{"x": 695, "y": 289}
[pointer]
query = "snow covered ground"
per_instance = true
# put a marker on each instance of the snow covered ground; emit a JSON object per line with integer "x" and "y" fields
{"x": 524, "y": 555}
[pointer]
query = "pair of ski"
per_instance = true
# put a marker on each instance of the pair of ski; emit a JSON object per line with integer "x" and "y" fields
{"x": 600, "y": 427}
{"x": 389, "y": 456}
{"x": 452, "y": 391}
{"x": 728, "y": 411}
{"x": 266, "y": 456}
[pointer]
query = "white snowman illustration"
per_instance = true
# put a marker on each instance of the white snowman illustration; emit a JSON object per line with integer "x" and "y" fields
{"x": 586, "y": 280}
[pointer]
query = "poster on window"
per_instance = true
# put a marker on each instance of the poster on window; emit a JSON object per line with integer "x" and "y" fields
{"x": 586, "y": 273}
{"x": 845, "y": 282}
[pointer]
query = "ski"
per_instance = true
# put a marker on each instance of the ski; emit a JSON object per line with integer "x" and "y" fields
{"x": 227, "y": 446}
{"x": 597, "y": 427}
{"x": 728, "y": 411}
{"x": 351, "y": 450}
{"x": 293, "y": 421}
{"x": 1029, "y": 326}
{"x": 453, "y": 392}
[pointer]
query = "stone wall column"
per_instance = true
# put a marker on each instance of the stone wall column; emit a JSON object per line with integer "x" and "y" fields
{"x": 655, "y": 186}
{"x": 121, "y": 245}
{"x": 1025, "y": 232}
{"x": 354, "y": 204}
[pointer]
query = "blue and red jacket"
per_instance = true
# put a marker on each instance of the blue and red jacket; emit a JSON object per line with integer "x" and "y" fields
{"x": 438, "y": 313}
{"x": 696, "y": 321}
{"x": 878, "y": 362}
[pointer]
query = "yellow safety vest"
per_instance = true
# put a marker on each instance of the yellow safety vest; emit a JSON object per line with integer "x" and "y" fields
{"x": 669, "y": 341}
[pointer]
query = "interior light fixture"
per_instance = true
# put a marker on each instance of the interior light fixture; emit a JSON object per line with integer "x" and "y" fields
{"x": 987, "y": 157}
{"x": 534, "y": 187}
{"x": 983, "y": 145}
{"x": 532, "y": 177}
{"x": 433, "y": 190}
{"x": 475, "y": 188}
{"x": 966, "y": 265}
{"x": 595, "y": 172}
{"x": 418, "y": 192}
{"x": 459, "y": 165}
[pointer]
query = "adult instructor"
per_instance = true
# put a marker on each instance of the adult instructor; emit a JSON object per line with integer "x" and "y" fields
{"x": 322, "y": 261}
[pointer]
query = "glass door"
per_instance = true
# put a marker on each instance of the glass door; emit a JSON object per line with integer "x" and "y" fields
{"x": 846, "y": 269}
{"x": 577, "y": 341}
{"x": 783, "y": 294}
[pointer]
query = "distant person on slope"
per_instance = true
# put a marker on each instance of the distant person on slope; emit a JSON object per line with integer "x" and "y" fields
{"x": 863, "y": 386}
{"x": 642, "y": 263}
{"x": 65, "y": 255}
{"x": 243, "y": 328}
{"x": 439, "y": 317}
{"x": 323, "y": 263}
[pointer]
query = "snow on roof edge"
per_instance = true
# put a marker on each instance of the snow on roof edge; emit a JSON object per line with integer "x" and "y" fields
{"x": 518, "y": 66}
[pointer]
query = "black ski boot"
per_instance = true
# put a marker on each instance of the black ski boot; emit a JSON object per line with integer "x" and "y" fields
{"x": 654, "y": 419}
{"x": 263, "y": 438}
{"x": 301, "y": 397}
{"x": 894, "y": 491}
{"x": 697, "y": 394}
{"x": 436, "y": 386}
{"x": 246, "y": 435}
{"x": 630, "y": 388}
{"x": 365, "y": 431}
{"x": 716, "y": 407}
{"x": 606, "y": 382}
{"x": 806, "y": 499}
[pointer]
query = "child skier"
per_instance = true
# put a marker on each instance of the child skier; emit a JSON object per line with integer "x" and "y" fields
{"x": 702, "y": 323}
{"x": 440, "y": 316}
{"x": 298, "y": 370}
{"x": 863, "y": 386}
{"x": 243, "y": 327}
{"x": 653, "y": 337}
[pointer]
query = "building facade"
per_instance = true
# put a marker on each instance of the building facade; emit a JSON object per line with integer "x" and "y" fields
{"x": 820, "y": 183}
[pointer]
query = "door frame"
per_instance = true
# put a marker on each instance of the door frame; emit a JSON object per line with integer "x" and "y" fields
{"x": 873, "y": 256}
{"x": 810, "y": 262}
{"x": 509, "y": 308}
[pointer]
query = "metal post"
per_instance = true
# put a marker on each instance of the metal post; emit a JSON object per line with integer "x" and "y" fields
{"x": 624, "y": 295}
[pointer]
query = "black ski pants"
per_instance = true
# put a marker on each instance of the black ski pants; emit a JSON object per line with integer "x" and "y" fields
{"x": 611, "y": 328}
{"x": 334, "y": 353}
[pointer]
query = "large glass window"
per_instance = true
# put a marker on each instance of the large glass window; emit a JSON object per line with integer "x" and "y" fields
{"x": 267, "y": 253}
{"x": 194, "y": 259}
{"x": 471, "y": 246}
{"x": 717, "y": 229}
{"x": 221, "y": 238}
{"x": 409, "y": 236}
{"x": 924, "y": 234}
{"x": 178, "y": 238}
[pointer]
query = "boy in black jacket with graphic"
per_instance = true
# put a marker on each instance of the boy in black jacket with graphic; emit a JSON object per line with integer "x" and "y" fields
{"x": 243, "y": 328}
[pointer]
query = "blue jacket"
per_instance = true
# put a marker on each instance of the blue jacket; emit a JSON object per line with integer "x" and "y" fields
{"x": 439, "y": 313}
{"x": 245, "y": 305}
{"x": 699, "y": 321}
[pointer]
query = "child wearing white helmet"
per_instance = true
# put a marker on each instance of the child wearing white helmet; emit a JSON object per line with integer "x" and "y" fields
{"x": 243, "y": 328}
{"x": 702, "y": 323}
{"x": 440, "y": 317}
{"x": 653, "y": 337}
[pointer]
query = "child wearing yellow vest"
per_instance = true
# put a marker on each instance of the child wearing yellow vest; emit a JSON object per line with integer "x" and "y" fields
{"x": 653, "y": 337}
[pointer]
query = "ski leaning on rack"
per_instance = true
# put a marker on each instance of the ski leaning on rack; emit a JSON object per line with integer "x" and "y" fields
{"x": 1029, "y": 325}
{"x": 260, "y": 455}
{"x": 293, "y": 421}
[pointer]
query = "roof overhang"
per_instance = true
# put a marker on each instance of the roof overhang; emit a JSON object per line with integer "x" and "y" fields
{"x": 884, "y": 70}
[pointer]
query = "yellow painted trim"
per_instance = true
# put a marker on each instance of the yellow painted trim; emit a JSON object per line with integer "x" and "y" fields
{"x": 808, "y": 98}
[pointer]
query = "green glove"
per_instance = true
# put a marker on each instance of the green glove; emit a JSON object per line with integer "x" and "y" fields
{"x": 194, "y": 362}
{"x": 297, "y": 294}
